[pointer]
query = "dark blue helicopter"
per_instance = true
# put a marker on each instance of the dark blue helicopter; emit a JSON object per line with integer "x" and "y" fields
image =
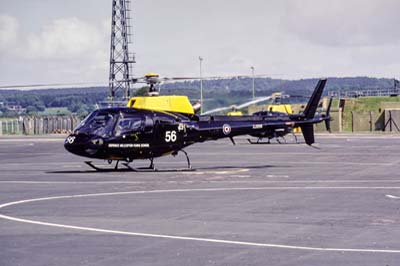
{"x": 127, "y": 134}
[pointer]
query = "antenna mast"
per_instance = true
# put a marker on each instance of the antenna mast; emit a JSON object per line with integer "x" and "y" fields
{"x": 121, "y": 61}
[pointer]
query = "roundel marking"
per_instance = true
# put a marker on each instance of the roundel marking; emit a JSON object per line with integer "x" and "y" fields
{"x": 226, "y": 128}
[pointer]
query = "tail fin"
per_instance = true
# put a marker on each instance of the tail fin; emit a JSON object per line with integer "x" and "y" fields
{"x": 312, "y": 105}
{"x": 308, "y": 133}
{"x": 308, "y": 128}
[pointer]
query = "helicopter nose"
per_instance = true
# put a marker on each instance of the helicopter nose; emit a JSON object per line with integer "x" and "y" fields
{"x": 70, "y": 140}
{"x": 70, "y": 143}
{"x": 83, "y": 145}
{"x": 75, "y": 144}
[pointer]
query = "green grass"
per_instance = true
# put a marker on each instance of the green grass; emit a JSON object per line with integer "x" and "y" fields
{"x": 56, "y": 111}
{"x": 364, "y": 105}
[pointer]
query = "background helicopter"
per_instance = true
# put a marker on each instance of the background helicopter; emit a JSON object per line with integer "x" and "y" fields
{"x": 280, "y": 133}
{"x": 275, "y": 108}
{"x": 151, "y": 127}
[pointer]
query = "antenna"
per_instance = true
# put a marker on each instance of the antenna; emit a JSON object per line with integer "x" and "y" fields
{"x": 121, "y": 61}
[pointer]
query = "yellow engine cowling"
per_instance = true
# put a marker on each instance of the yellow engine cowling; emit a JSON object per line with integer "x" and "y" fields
{"x": 235, "y": 113}
{"x": 283, "y": 108}
{"x": 175, "y": 104}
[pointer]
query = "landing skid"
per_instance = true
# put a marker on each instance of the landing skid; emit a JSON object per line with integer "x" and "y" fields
{"x": 151, "y": 167}
{"x": 280, "y": 140}
{"x": 99, "y": 169}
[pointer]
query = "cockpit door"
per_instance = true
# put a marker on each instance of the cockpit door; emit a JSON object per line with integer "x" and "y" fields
{"x": 169, "y": 132}
{"x": 129, "y": 126}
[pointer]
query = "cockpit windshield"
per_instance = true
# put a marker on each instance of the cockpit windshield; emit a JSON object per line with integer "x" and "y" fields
{"x": 98, "y": 123}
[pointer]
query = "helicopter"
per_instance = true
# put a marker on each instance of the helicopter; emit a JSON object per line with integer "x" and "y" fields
{"x": 280, "y": 133}
{"x": 151, "y": 127}
{"x": 276, "y": 109}
{"x": 269, "y": 133}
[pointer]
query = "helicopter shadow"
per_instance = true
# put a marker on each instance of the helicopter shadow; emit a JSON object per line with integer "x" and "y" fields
{"x": 214, "y": 168}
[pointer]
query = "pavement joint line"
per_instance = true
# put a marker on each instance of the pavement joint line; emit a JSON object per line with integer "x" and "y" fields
{"x": 174, "y": 237}
{"x": 205, "y": 181}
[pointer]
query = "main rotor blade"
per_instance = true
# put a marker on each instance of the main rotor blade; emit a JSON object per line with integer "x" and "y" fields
{"x": 155, "y": 80}
{"x": 241, "y": 76}
{"x": 48, "y": 85}
{"x": 263, "y": 99}
{"x": 216, "y": 110}
{"x": 179, "y": 78}
{"x": 238, "y": 107}
{"x": 171, "y": 79}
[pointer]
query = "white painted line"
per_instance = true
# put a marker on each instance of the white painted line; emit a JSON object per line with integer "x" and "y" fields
{"x": 209, "y": 240}
{"x": 392, "y": 197}
{"x": 229, "y": 171}
{"x": 277, "y": 176}
{"x": 331, "y": 162}
{"x": 254, "y": 181}
{"x": 72, "y": 166}
{"x": 199, "y": 163}
{"x": 222, "y": 172}
{"x": 357, "y": 136}
{"x": 300, "y": 162}
{"x": 138, "y": 234}
{"x": 11, "y": 140}
{"x": 70, "y": 182}
{"x": 42, "y": 163}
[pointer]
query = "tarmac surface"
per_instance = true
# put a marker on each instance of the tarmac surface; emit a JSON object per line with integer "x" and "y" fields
{"x": 337, "y": 204}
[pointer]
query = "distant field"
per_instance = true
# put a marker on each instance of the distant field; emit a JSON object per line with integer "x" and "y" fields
{"x": 365, "y": 107}
{"x": 56, "y": 111}
{"x": 366, "y": 104}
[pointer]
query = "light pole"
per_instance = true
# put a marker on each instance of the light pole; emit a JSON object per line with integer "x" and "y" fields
{"x": 252, "y": 75}
{"x": 201, "y": 86}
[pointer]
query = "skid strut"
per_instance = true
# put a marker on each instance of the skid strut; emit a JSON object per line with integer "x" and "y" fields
{"x": 188, "y": 160}
{"x": 150, "y": 168}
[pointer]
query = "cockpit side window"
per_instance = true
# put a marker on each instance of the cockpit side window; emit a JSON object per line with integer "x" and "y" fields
{"x": 86, "y": 120}
{"x": 128, "y": 123}
{"x": 148, "y": 124}
{"x": 98, "y": 123}
{"x": 165, "y": 120}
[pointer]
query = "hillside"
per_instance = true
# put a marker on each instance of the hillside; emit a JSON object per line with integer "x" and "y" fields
{"x": 217, "y": 93}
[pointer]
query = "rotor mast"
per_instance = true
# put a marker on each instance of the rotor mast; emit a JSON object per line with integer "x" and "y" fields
{"x": 121, "y": 61}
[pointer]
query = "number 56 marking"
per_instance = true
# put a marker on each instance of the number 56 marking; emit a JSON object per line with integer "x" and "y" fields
{"x": 170, "y": 136}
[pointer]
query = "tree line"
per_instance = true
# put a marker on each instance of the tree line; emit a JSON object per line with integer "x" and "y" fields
{"x": 217, "y": 93}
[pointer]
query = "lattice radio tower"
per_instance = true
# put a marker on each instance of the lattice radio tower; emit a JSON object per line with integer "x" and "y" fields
{"x": 121, "y": 61}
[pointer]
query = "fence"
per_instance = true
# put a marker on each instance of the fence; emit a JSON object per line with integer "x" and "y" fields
{"x": 387, "y": 121}
{"x": 364, "y": 93}
{"x": 38, "y": 125}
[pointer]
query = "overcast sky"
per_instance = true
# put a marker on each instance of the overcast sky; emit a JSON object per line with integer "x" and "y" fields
{"x": 45, "y": 41}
